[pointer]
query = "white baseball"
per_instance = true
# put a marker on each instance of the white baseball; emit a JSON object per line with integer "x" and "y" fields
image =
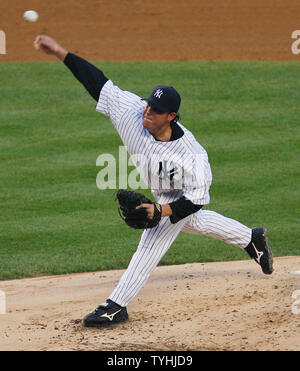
{"x": 30, "y": 16}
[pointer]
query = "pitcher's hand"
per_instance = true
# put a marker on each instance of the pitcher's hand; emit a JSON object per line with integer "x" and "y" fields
{"x": 49, "y": 46}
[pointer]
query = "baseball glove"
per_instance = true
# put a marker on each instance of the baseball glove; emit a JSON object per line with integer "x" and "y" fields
{"x": 138, "y": 219}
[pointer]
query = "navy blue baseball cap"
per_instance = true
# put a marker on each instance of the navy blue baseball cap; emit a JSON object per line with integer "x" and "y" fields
{"x": 165, "y": 98}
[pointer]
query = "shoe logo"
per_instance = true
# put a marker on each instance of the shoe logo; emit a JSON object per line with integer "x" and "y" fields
{"x": 258, "y": 253}
{"x": 110, "y": 316}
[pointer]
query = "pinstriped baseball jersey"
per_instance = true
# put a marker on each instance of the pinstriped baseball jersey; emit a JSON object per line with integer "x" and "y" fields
{"x": 184, "y": 160}
{"x": 125, "y": 111}
{"x": 176, "y": 170}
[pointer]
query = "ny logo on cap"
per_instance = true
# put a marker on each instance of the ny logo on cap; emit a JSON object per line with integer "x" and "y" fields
{"x": 158, "y": 93}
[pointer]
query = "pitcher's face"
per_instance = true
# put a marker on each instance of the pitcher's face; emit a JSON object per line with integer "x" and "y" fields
{"x": 154, "y": 119}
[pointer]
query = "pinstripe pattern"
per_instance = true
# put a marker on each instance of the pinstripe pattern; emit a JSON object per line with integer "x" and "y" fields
{"x": 125, "y": 111}
{"x": 153, "y": 245}
{"x": 212, "y": 224}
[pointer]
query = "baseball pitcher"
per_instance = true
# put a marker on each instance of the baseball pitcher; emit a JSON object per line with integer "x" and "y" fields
{"x": 176, "y": 169}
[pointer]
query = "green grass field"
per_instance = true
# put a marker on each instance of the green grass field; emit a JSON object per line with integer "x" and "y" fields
{"x": 55, "y": 220}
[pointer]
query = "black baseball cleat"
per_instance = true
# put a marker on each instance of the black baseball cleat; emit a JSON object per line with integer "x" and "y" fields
{"x": 259, "y": 249}
{"x": 106, "y": 314}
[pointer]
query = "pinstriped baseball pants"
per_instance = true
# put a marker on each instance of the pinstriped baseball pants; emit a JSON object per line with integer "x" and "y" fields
{"x": 155, "y": 242}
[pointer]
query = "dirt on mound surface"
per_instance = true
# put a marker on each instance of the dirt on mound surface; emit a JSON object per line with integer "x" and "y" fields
{"x": 209, "y": 306}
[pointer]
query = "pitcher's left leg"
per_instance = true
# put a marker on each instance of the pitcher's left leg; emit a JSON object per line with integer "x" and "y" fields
{"x": 153, "y": 245}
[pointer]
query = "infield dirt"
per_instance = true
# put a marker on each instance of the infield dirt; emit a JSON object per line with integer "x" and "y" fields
{"x": 133, "y": 30}
{"x": 211, "y": 306}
